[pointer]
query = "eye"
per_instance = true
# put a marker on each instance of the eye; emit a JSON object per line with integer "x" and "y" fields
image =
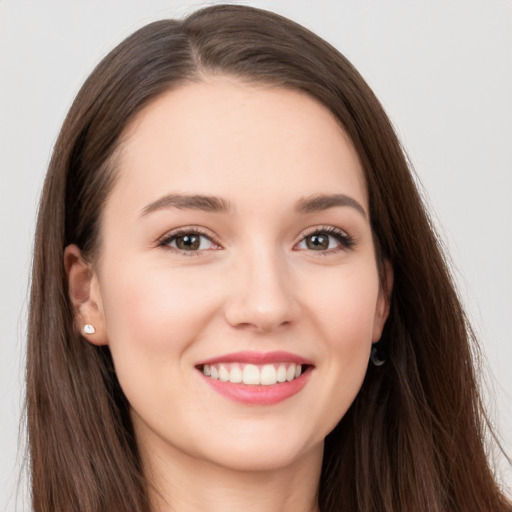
{"x": 328, "y": 239}
{"x": 188, "y": 241}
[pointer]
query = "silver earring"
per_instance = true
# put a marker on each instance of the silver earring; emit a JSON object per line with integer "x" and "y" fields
{"x": 374, "y": 357}
{"x": 89, "y": 329}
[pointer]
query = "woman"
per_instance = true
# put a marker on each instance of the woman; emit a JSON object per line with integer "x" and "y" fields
{"x": 238, "y": 301}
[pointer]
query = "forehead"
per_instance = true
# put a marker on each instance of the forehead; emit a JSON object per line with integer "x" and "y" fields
{"x": 236, "y": 140}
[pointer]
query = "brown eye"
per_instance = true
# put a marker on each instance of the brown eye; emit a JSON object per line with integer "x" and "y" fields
{"x": 189, "y": 242}
{"x": 317, "y": 242}
{"x": 326, "y": 240}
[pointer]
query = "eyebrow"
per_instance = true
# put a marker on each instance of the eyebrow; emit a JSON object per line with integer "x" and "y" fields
{"x": 189, "y": 202}
{"x": 318, "y": 203}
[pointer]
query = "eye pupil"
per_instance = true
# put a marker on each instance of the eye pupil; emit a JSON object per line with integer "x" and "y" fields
{"x": 188, "y": 242}
{"x": 317, "y": 242}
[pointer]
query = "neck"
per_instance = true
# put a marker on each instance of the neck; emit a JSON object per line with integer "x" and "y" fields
{"x": 183, "y": 484}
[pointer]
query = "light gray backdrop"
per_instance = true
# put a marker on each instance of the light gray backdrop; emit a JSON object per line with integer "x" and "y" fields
{"x": 442, "y": 69}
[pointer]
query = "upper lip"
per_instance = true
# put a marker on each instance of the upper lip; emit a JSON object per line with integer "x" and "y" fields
{"x": 253, "y": 357}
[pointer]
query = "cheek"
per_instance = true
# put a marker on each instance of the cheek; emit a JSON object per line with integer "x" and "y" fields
{"x": 150, "y": 299}
{"x": 344, "y": 313}
{"x": 152, "y": 316}
{"x": 345, "y": 306}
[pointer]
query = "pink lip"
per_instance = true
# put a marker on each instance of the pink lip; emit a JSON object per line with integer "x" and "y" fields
{"x": 250, "y": 357}
{"x": 258, "y": 395}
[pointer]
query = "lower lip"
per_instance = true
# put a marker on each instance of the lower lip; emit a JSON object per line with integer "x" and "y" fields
{"x": 259, "y": 395}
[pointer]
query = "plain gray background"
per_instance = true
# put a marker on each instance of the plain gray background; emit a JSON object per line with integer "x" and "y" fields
{"x": 442, "y": 69}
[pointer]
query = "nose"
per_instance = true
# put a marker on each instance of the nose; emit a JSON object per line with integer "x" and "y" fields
{"x": 262, "y": 296}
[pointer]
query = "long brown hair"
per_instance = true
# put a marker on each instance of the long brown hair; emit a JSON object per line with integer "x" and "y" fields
{"x": 412, "y": 439}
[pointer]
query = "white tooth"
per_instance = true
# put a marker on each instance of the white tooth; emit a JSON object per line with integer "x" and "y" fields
{"x": 251, "y": 374}
{"x": 235, "y": 375}
{"x": 290, "y": 373}
{"x": 206, "y": 369}
{"x": 298, "y": 371}
{"x": 268, "y": 375}
{"x": 223, "y": 374}
{"x": 214, "y": 373}
{"x": 281, "y": 373}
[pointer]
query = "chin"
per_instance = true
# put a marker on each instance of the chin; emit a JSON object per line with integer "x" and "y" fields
{"x": 263, "y": 459}
{"x": 268, "y": 450}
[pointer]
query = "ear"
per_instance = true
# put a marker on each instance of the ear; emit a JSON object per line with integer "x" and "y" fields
{"x": 383, "y": 302}
{"x": 85, "y": 294}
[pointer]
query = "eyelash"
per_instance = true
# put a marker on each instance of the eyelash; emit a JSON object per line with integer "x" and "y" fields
{"x": 346, "y": 242}
{"x": 171, "y": 237}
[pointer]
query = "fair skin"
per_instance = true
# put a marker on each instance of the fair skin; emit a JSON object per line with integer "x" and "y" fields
{"x": 262, "y": 271}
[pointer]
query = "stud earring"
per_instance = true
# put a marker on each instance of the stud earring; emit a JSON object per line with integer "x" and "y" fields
{"x": 374, "y": 357}
{"x": 89, "y": 329}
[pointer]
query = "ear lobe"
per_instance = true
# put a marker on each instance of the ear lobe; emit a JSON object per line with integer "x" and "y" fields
{"x": 383, "y": 302}
{"x": 84, "y": 293}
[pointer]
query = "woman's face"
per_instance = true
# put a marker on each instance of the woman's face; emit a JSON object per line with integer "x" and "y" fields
{"x": 236, "y": 243}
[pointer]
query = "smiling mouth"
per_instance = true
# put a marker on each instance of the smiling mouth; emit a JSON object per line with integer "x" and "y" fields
{"x": 254, "y": 374}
